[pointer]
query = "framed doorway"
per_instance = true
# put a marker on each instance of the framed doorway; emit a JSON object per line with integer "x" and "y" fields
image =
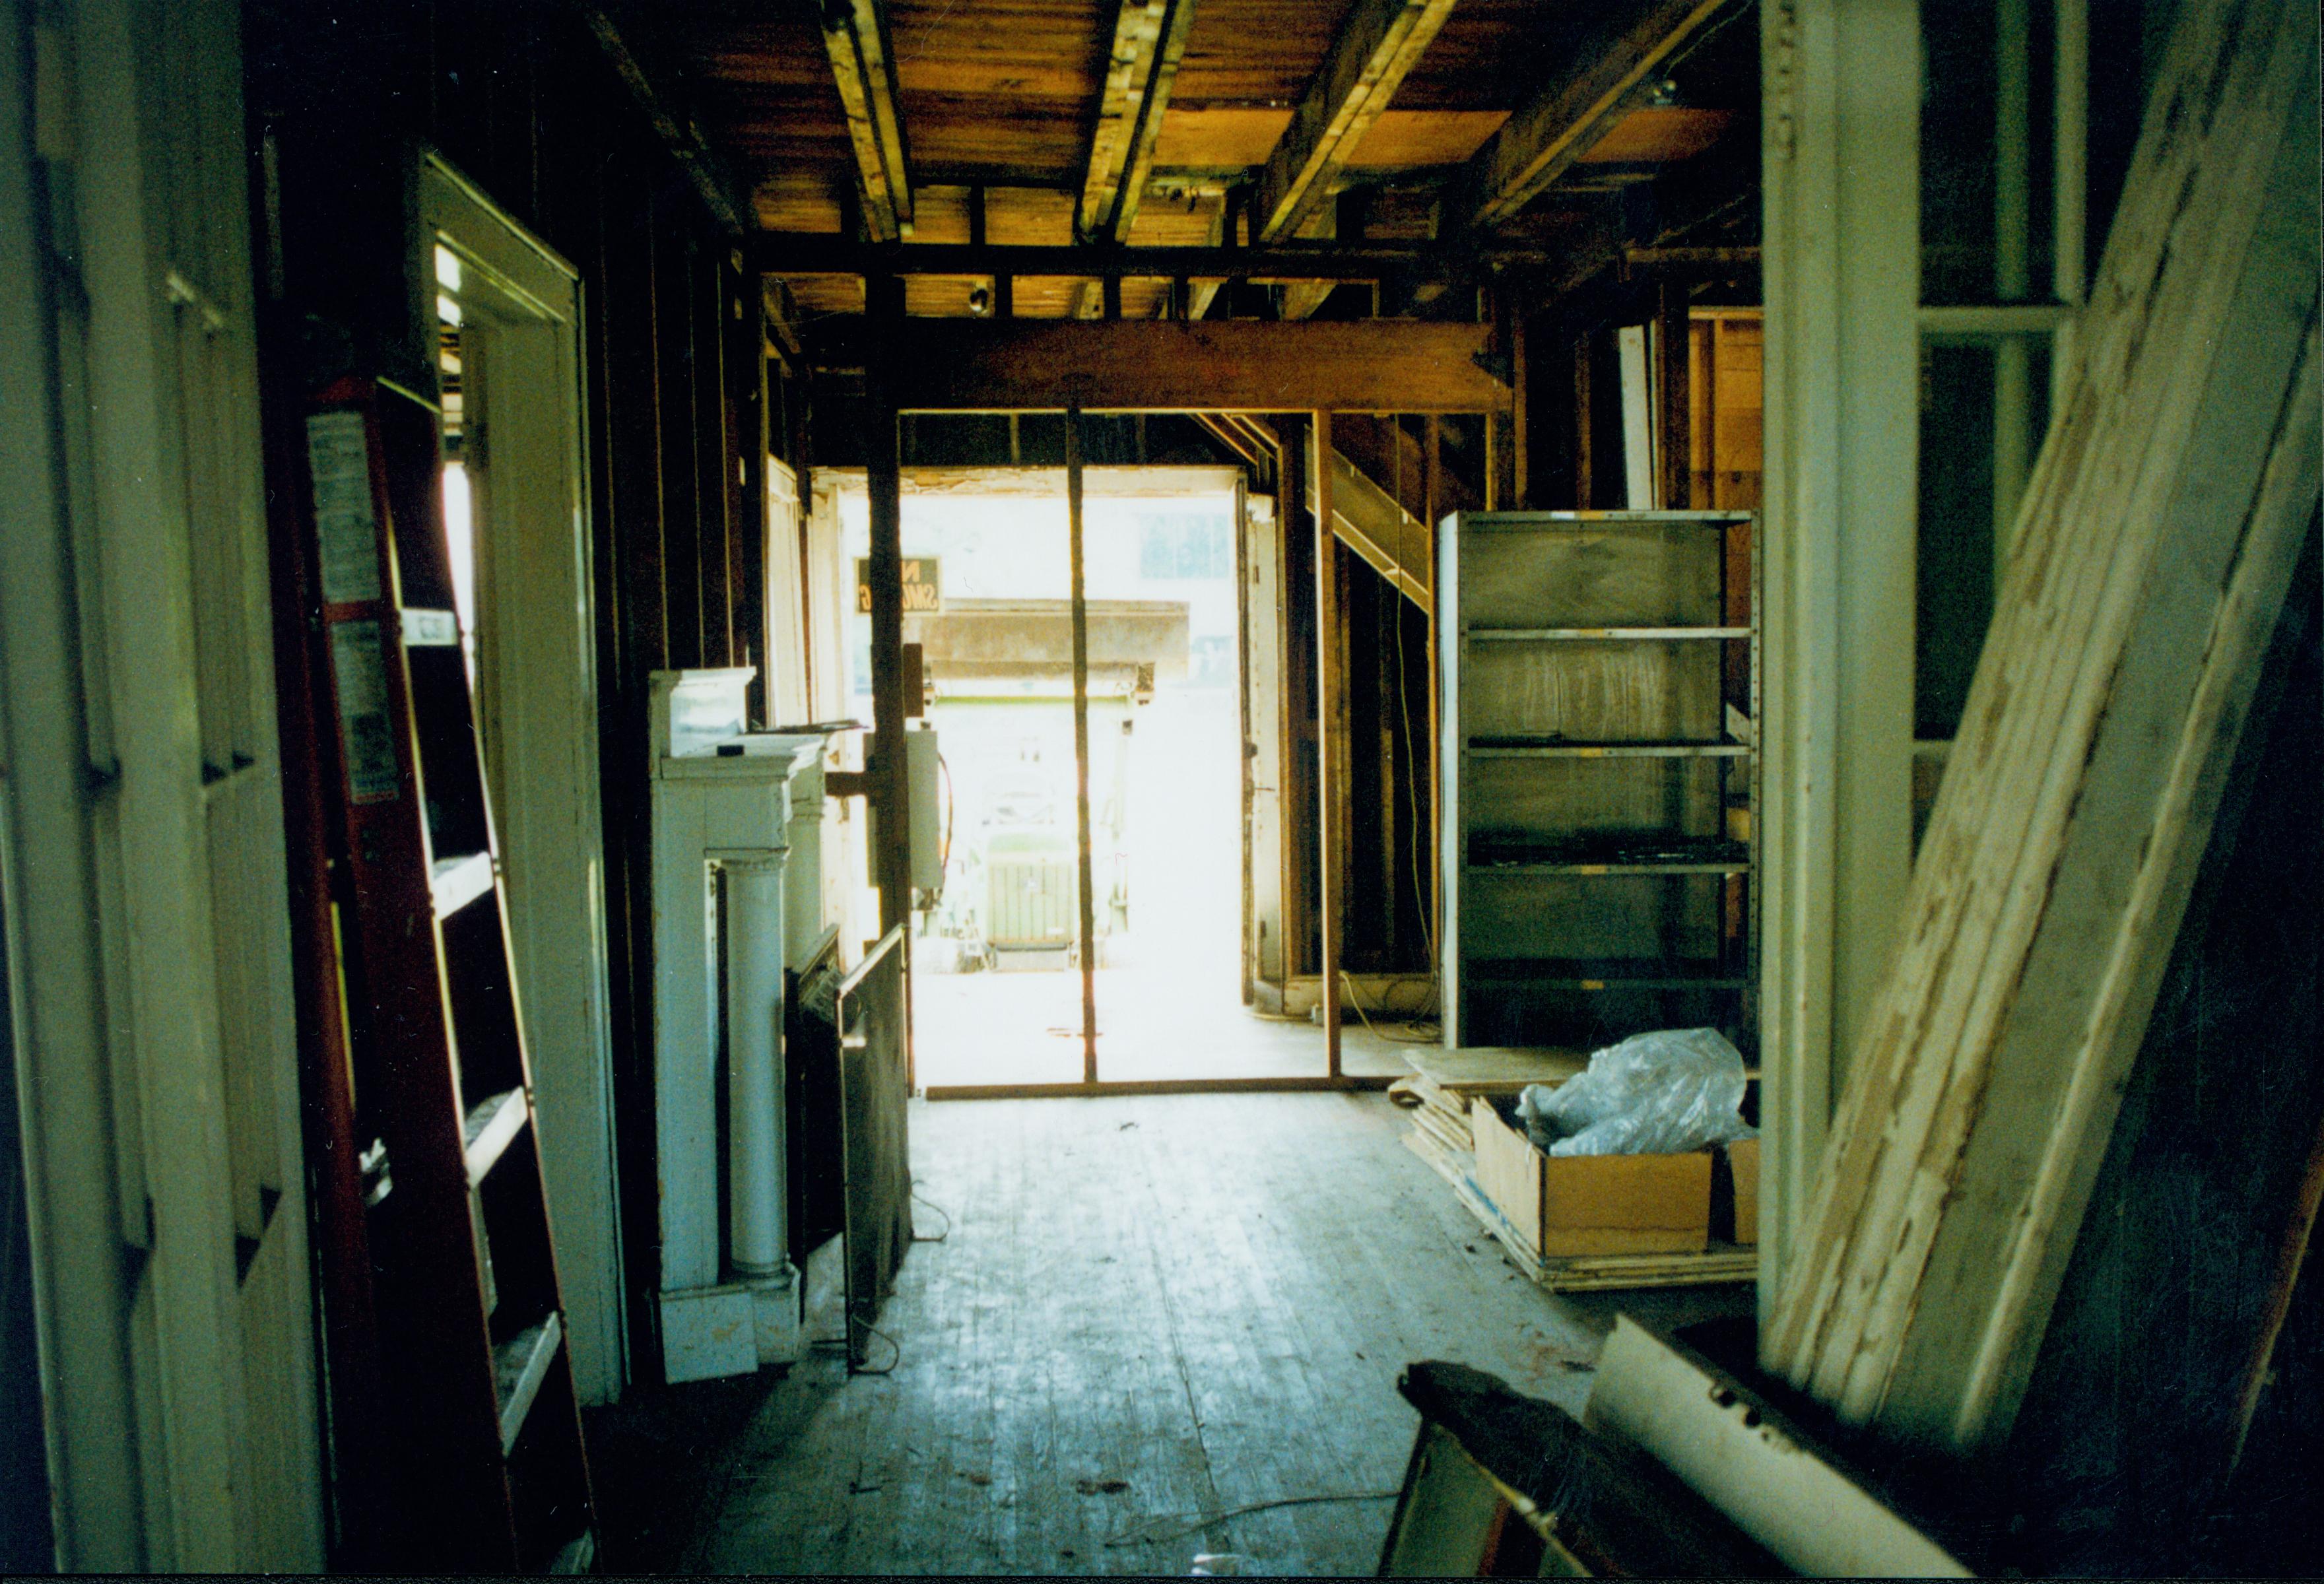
{"x": 508, "y": 322}
{"x": 1156, "y": 1020}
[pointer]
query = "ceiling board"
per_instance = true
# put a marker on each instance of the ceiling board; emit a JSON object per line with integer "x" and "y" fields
{"x": 1217, "y": 136}
{"x": 1405, "y": 138}
{"x": 1256, "y": 53}
{"x": 800, "y": 199}
{"x": 1658, "y": 135}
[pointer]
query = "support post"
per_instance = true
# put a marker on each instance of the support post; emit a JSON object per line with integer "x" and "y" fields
{"x": 1330, "y": 729}
{"x": 1673, "y": 334}
{"x": 1502, "y": 428}
{"x": 1840, "y": 162}
{"x": 1432, "y": 510}
{"x": 883, "y": 482}
{"x": 1584, "y": 453}
{"x": 1087, "y": 868}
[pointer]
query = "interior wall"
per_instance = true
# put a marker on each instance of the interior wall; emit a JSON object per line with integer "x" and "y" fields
{"x": 521, "y": 100}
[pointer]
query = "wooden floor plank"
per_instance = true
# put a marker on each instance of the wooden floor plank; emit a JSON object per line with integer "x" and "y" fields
{"x": 1204, "y": 1298}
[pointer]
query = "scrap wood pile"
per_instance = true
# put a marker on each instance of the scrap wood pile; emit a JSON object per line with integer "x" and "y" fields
{"x": 1443, "y": 1082}
{"x": 1599, "y": 1219}
{"x": 2151, "y": 559}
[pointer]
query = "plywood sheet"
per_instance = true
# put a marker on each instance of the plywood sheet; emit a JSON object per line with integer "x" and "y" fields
{"x": 1496, "y": 1069}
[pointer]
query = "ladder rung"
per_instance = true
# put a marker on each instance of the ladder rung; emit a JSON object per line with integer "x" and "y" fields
{"x": 458, "y": 881}
{"x": 491, "y": 1125}
{"x": 519, "y": 1367}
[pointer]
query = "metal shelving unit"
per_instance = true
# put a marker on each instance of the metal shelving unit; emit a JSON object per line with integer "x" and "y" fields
{"x": 1599, "y": 701}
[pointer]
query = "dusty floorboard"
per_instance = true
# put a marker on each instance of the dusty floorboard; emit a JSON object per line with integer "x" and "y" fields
{"x": 1147, "y": 1314}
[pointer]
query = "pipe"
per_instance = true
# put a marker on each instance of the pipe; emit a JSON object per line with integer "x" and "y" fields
{"x": 754, "y": 1003}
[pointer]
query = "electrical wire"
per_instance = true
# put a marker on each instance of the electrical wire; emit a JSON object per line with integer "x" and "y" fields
{"x": 841, "y": 1341}
{"x": 1348, "y": 984}
{"x": 895, "y": 1348}
{"x": 1208, "y": 1519}
{"x": 940, "y": 1209}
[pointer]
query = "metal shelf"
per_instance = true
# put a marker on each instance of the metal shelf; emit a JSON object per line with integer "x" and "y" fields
{"x": 1602, "y": 634}
{"x": 1505, "y": 748}
{"x": 1597, "y": 604}
{"x": 1728, "y": 866}
{"x": 1569, "y": 974}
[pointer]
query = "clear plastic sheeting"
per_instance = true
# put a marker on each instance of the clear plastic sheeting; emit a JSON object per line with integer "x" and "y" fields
{"x": 1661, "y": 1093}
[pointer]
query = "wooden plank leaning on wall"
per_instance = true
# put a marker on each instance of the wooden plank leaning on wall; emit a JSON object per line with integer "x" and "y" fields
{"x": 2158, "y": 537}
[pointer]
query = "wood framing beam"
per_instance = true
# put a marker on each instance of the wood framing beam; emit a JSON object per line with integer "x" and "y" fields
{"x": 685, "y": 142}
{"x": 884, "y": 777}
{"x": 1380, "y": 42}
{"x": 863, "y": 67}
{"x": 794, "y": 252}
{"x": 1158, "y": 365}
{"x": 1085, "y": 924}
{"x": 1332, "y": 727}
{"x": 1149, "y": 37}
{"x": 1541, "y": 142}
{"x": 1392, "y": 541}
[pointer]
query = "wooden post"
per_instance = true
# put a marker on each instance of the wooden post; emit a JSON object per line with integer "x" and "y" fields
{"x": 1583, "y": 460}
{"x": 1331, "y": 731}
{"x": 1520, "y": 416}
{"x": 1431, "y": 505}
{"x": 1501, "y": 428}
{"x": 1672, "y": 336}
{"x": 890, "y": 791}
{"x": 1087, "y": 887}
{"x": 1841, "y": 101}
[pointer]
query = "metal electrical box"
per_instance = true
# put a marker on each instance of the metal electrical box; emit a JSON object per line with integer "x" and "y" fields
{"x": 924, "y": 821}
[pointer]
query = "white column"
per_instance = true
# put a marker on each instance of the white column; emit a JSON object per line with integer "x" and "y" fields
{"x": 754, "y": 1086}
{"x": 1841, "y": 83}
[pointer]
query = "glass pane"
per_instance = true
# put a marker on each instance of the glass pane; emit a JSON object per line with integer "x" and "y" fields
{"x": 997, "y": 991}
{"x": 1986, "y": 143}
{"x": 1984, "y": 409}
{"x": 1166, "y": 794}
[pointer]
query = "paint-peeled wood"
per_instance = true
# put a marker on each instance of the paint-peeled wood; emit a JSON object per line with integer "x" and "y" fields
{"x": 2157, "y": 539}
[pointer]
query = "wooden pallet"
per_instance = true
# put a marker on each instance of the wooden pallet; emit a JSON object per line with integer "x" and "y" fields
{"x": 1598, "y": 1272}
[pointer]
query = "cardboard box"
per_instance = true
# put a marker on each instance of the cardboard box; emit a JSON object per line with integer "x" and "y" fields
{"x": 1566, "y": 1206}
{"x": 1743, "y": 1164}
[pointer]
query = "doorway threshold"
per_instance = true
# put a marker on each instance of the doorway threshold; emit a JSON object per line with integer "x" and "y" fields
{"x": 1279, "y": 1084}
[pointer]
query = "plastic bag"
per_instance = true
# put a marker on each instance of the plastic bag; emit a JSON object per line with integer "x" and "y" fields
{"x": 1661, "y": 1093}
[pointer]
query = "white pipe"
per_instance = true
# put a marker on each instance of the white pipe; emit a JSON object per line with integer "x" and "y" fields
{"x": 754, "y": 999}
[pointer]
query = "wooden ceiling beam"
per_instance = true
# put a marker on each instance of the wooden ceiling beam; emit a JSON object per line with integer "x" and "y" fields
{"x": 788, "y": 252}
{"x": 1545, "y": 137}
{"x": 863, "y": 66}
{"x": 679, "y": 133}
{"x": 1160, "y": 365}
{"x": 1150, "y": 39}
{"x": 1382, "y": 40}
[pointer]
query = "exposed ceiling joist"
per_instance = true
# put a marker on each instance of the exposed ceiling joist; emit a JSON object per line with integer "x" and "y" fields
{"x": 1381, "y": 42}
{"x": 783, "y": 252}
{"x": 1131, "y": 365}
{"x": 1149, "y": 37}
{"x": 1544, "y": 138}
{"x": 863, "y": 65}
{"x": 684, "y": 141}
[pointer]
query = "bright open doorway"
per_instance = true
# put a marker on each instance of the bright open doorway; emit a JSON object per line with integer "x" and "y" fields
{"x": 997, "y": 983}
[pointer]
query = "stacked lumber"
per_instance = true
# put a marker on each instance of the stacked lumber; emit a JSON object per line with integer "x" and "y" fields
{"x": 2154, "y": 552}
{"x": 1438, "y": 1112}
{"x": 1438, "y": 1091}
